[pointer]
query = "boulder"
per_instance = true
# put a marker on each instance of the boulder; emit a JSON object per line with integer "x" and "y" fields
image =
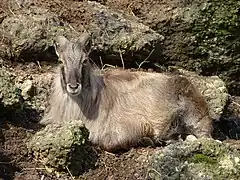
{"x": 63, "y": 147}
{"x": 116, "y": 33}
{"x": 29, "y": 33}
{"x": 195, "y": 159}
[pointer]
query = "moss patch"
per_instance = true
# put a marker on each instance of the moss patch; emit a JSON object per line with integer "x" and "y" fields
{"x": 201, "y": 158}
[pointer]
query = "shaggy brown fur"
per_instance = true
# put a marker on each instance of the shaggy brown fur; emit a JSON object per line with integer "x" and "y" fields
{"x": 121, "y": 107}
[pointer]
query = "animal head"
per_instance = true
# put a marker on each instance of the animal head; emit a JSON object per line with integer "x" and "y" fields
{"x": 74, "y": 58}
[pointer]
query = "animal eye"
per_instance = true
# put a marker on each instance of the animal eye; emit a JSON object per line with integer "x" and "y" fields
{"x": 60, "y": 61}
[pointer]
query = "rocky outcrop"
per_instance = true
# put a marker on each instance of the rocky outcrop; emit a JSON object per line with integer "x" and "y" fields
{"x": 29, "y": 34}
{"x": 195, "y": 159}
{"x": 200, "y": 35}
{"x": 118, "y": 34}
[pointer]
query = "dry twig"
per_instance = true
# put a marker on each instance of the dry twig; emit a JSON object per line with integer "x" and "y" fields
{"x": 121, "y": 59}
{"x": 145, "y": 60}
{"x": 70, "y": 173}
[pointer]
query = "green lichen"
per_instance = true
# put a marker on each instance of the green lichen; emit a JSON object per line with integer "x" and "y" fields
{"x": 117, "y": 31}
{"x": 201, "y": 158}
{"x": 31, "y": 37}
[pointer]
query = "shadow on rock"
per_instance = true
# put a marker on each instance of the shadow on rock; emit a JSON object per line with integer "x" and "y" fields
{"x": 21, "y": 117}
{"x": 228, "y": 127}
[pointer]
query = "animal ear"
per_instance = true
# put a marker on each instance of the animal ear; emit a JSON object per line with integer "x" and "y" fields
{"x": 84, "y": 42}
{"x": 60, "y": 45}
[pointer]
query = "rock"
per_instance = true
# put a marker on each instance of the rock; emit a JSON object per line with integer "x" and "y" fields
{"x": 18, "y": 92}
{"x": 27, "y": 89}
{"x": 212, "y": 88}
{"x": 116, "y": 32}
{"x": 42, "y": 88}
{"x": 30, "y": 32}
{"x": 229, "y": 124}
{"x": 191, "y": 138}
{"x": 10, "y": 95}
{"x": 197, "y": 160}
{"x": 63, "y": 147}
{"x": 200, "y": 35}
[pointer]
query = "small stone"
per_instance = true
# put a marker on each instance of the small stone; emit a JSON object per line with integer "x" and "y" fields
{"x": 191, "y": 138}
{"x": 218, "y": 141}
{"x": 236, "y": 159}
{"x": 27, "y": 89}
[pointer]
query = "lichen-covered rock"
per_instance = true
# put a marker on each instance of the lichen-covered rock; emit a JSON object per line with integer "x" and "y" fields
{"x": 200, "y": 35}
{"x": 116, "y": 33}
{"x": 196, "y": 160}
{"x": 63, "y": 147}
{"x": 212, "y": 88}
{"x": 34, "y": 84}
{"x": 10, "y": 95}
{"x": 28, "y": 34}
{"x": 212, "y": 44}
{"x": 215, "y": 39}
{"x": 19, "y": 91}
{"x": 27, "y": 89}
